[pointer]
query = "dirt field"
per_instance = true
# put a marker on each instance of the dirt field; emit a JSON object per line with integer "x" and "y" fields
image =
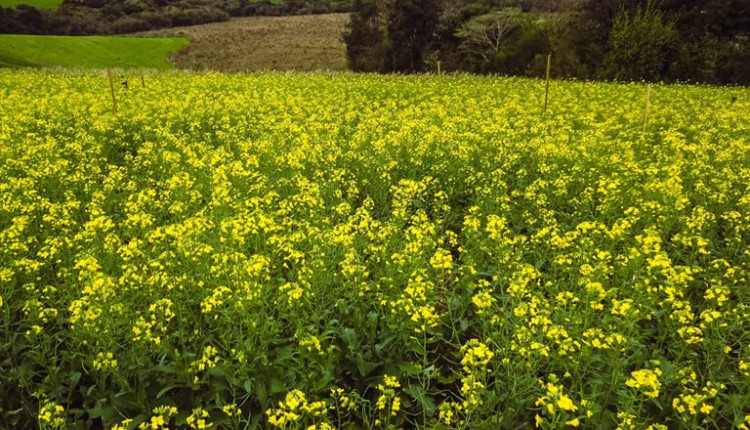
{"x": 309, "y": 42}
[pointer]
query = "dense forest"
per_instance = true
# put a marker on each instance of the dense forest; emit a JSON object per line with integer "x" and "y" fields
{"x": 670, "y": 40}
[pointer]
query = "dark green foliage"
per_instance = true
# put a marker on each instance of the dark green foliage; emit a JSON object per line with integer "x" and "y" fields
{"x": 411, "y": 28}
{"x": 505, "y": 41}
{"x": 640, "y": 45}
{"x": 366, "y": 36}
{"x": 391, "y": 35}
{"x": 290, "y": 7}
{"x": 703, "y": 41}
{"x": 713, "y": 40}
{"x": 112, "y": 17}
{"x": 126, "y": 16}
{"x": 22, "y": 19}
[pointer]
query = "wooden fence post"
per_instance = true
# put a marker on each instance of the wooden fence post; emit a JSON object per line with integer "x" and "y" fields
{"x": 438, "y": 68}
{"x": 143, "y": 82}
{"x": 645, "y": 110}
{"x": 546, "y": 87}
{"x": 112, "y": 91}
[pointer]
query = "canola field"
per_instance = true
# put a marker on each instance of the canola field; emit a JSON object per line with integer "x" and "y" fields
{"x": 320, "y": 251}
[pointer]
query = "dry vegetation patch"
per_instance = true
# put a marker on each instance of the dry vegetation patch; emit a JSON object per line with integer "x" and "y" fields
{"x": 311, "y": 42}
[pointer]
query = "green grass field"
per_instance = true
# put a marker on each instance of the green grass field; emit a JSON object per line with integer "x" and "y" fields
{"x": 87, "y": 52}
{"x": 41, "y": 4}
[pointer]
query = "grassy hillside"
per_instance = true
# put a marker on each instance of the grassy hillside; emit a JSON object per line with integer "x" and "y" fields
{"x": 311, "y": 42}
{"x": 41, "y": 4}
{"x": 87, "y": 52}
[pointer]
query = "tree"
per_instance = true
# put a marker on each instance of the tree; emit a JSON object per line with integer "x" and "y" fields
{"x": 484, "y": 35}
{"x": 411, "y": 31}
{"x": 640, "y": 45}
{"x": 366, "y": 36}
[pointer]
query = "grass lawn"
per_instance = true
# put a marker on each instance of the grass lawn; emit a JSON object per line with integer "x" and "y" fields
{"x": 41, "y": 4}
{"x": 87, "y": 51}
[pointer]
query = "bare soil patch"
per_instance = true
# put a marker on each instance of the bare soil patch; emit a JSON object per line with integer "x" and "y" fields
{"x": 310, "y": 42}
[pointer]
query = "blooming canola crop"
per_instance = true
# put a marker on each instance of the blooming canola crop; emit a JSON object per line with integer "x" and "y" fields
{"x": 340, "y": 251}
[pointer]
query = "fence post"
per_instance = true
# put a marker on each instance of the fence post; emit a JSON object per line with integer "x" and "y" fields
{"x": 546, "y": 87}
{"x": 112, "y": 91}
{"x": 645, "y": 110}
{"x": 143, "y": 82}
{"x": 438, "y": 68}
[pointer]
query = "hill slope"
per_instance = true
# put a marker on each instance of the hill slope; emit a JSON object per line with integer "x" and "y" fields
{"x": 39, "y": 4}
{"x": 87, "y": 51}
{"x": 310, "y": 42}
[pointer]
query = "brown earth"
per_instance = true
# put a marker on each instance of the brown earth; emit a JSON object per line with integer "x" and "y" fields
{"x": 309, "y": 42}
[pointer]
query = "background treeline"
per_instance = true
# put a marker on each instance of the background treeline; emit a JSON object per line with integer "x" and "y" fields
{"x": 87, "y": 17}
{"x": 686, "y": 40}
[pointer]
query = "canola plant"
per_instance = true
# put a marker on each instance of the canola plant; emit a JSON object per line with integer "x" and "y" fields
{"x": 320, "y": 251}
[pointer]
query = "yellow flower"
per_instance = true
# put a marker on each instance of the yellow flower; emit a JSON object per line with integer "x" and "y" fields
{"x": 565, "y": 403}
{"x": 646, "y": 380}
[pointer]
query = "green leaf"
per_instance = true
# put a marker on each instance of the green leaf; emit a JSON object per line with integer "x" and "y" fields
{"x": 349, "y": 335}
{"x": 277, "y": 386}
{"x": 75, "y": 377}
{"x": 417, "y": 392}
{"x": 410, "y": 368}
{"x": 363, "y": 366}
{"x": 164, "y": 391}
{"x": 261, "y": 394}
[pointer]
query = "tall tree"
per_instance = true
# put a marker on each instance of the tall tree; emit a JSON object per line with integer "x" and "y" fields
{"x": 484, "y": 35}
{"x": 366, "y": 36}
{"x": 411, "y": 30}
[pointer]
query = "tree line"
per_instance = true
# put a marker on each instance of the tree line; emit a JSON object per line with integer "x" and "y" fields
{"x": 668, "y": 40}
{"x": 89, "y": 17}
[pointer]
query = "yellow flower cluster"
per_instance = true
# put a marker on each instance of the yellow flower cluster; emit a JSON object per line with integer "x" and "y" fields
{"x": 645, "y": 381}
{"x": 160, "y": 419}
{"x": 51, "y": 415}
{"x": 475, "y": 360}
{"x": 197, "y": 419}
{"x": 160, "y": 314}
{"x": 388, "y": 397}
{"x": 105, "y": 361}
{"x": 208, "y": 361}
{"x": 694, "y": 399}
{"x": 296, "y": 408}
{"x": 311, "y": 344}
{"x": 558, "y": 408}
